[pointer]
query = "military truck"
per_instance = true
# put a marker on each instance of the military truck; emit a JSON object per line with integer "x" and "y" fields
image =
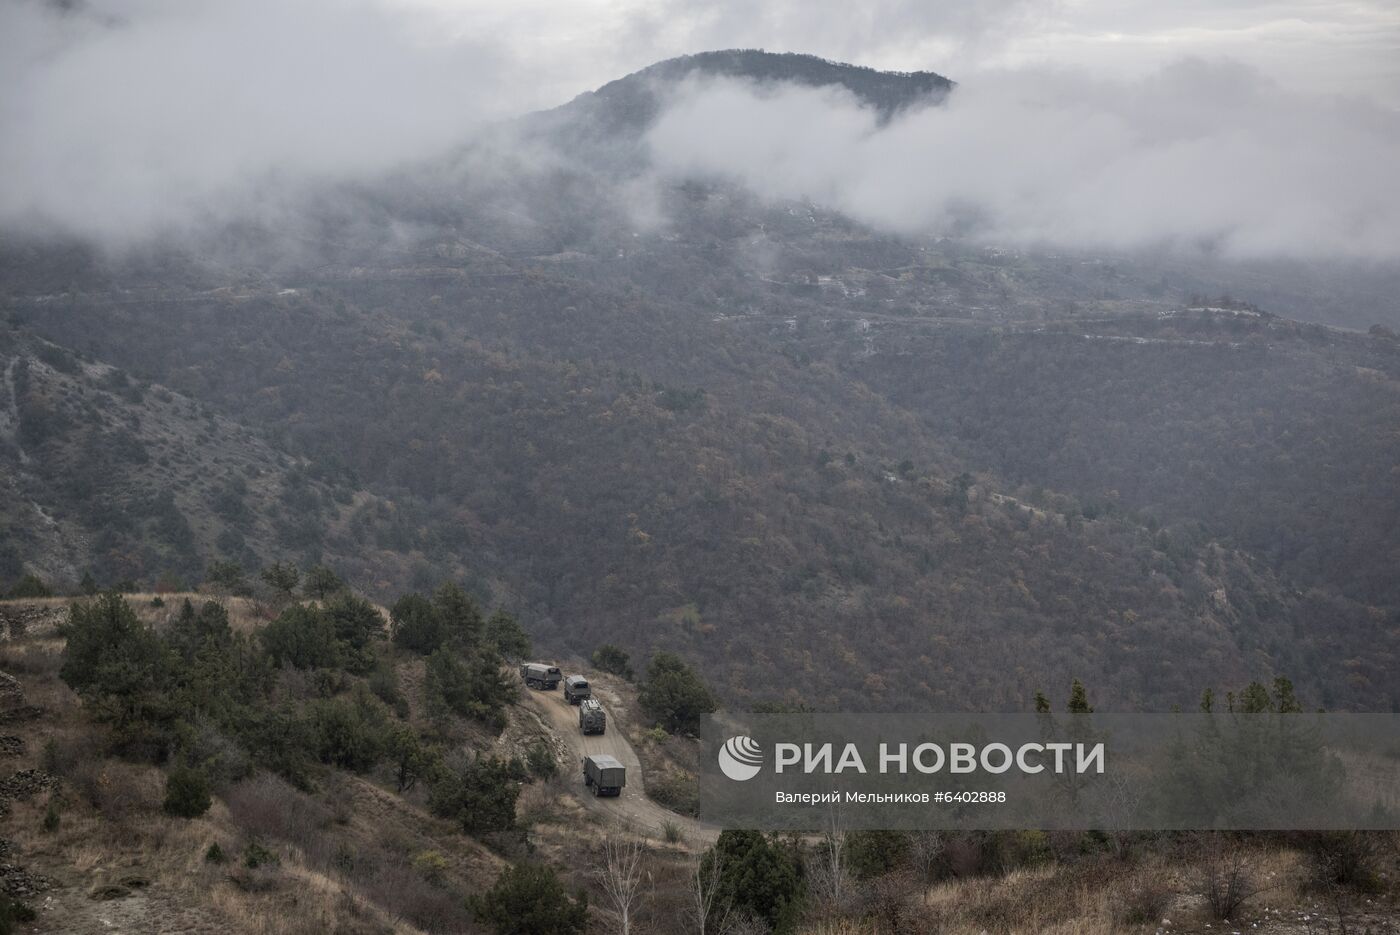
{"x": 591, "y": 719}
{"x": 541, "y": 675}
{"x": 604, "y": 774}
{"x": 576, "y": 689}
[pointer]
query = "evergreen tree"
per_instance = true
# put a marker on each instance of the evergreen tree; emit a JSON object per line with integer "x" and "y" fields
{"x": 302, "y": 637}
{"x": 757, "y": 876}
{"x": 321, "y": 582}
{"x": 122, "y": 670}
{"x": 186, "y": 792}
{"x": 461, "y": 618}
{"x": 1079, "y": 699}
{"x": 282, "y": 578}
{"x": 506, "y": 636}
{"x": 528, "y": 899}
{"x": 673, "y": 696}
{"x": 481, "y": 795}
{"x": 416, "y": 624}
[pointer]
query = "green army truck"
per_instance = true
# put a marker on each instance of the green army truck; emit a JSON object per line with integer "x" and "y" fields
{"x": 604, "y": 774}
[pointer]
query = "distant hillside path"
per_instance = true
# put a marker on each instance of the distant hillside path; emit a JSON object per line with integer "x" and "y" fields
{"x": 631, "y": 809}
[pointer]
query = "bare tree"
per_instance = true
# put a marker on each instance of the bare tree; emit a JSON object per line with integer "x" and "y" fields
{"x": 829, "y": 875}
{"x": 925, "y": 848}
{"x": 620, "y": 875}
{"x": 708, "y": 913}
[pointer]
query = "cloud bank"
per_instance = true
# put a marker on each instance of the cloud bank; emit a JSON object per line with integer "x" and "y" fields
{"x": 1199, "y": 155}
{"x": 123, "y": 118}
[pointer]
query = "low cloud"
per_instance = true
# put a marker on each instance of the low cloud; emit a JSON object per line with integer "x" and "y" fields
{"x": 1198, "y": 156}
{"x": 125, "y": 119}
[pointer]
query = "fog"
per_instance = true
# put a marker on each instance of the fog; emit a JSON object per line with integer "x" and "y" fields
{"x": 120, "y": 119}
{"x": 123, "y": 120}
{"x": 1200, "y": 155}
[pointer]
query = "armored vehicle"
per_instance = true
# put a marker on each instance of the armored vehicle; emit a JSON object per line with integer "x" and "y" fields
{"x": 604, "y": 774}
{"x": 576, "y": 689}
{"x": 541, "y": 675}
{"x": 591, "y": 719}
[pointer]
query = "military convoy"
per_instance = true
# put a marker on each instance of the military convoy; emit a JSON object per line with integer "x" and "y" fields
{"x": 591, "y": 717}
{"x": 541, "y": 675}
{"x": 576, "y": 689}
{"x": 601, "y": 773}
{"x": 604, "y": 774}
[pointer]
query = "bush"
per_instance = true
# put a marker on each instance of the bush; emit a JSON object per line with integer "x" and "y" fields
{"x": 1142, "y": 904}
{"x": 30, "y": 586}
{"x": 613, "y": 659}
{"x": 255, "y": 856}
{"x": 351, "y": 733}
{"x": 51, "y": 816}
{"x": 529, "y": 899}
{"x": 1344, "y": 858}
{"x": 186, "y": 792}
{"x": 539, "y": 760}
{"x": 875, "y": 853}
{"x": 215, "y": 854}
{"x": 13, "y": 911}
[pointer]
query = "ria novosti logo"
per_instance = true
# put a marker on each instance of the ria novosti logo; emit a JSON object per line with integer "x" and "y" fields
{"x": 740, "y": 758}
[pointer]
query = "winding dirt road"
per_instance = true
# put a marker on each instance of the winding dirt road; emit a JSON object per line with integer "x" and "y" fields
{"x": 632, "y": 809}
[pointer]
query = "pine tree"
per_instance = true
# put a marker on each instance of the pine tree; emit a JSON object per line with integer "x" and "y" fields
{"x": 1079, "y": 699}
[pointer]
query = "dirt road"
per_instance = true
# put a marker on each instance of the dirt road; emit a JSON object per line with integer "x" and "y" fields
{"x": 632, "y": 809}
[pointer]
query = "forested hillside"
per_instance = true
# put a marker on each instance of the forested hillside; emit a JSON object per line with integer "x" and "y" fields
{"x": 829, "y": 465}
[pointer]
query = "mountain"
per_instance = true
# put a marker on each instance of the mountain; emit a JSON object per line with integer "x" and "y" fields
{"x": 630, "y": 104}
{"x": 828, "y": 464}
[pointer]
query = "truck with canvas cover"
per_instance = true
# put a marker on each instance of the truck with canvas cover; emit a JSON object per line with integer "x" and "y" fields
{"x": 591, "y": 719}
{"x": 604, "y": 774}
{"x": 576, "y": 689}
{"x": 541, "y": 675}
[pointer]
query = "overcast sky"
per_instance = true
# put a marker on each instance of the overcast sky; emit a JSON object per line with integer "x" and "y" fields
{"x": 1350, "y": 47}
{"x": 119, "y": 117}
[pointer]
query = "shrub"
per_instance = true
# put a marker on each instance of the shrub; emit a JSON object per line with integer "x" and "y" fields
{"x": 186, "y": 792}
{"x": 1228, "y": 880}
{"x": 539, "y": 760}
{"x": 51, "y": 817}
{"x": 680, "y": 792}
{"x": 1344, "y": 858}
{"x": 875, "y": 853}
{"x": 351, "y": 733}
{"x": 1144, "y": 903}
{"x": 529, "y": 899}
{"x": 255, "y": 856}
{"x": 31, "y": 586}
{"x": 613, "y": 659}
{"x": 215, "y": 854}
{"x": 432, "y": 865}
